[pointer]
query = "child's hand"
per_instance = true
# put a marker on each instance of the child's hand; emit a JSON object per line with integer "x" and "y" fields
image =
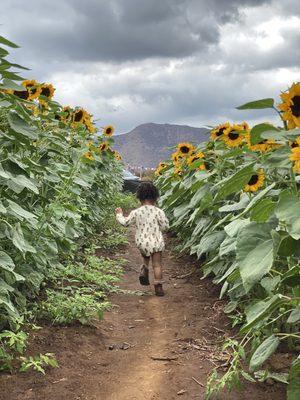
{"x": 118, "y": 210}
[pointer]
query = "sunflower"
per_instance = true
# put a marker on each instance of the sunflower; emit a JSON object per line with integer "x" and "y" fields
{"x": 78, "y": 116}
{"x": 22, "y": 94}
{"x": 185, "y": 149}
{"x": 196, "y": 157}
{"x": 255, "y": 182}
{"x": 295, "y": 143}
{"x": 47, "y": 90}
{"x": 117, "y": 155}
{"x": 176, "y": 157}
{"x": 178, "y": 172}
{"x": 67, "y": 114}
{"x": 295, "y": 156}
{"x": 90, "y": 127}
{"x": 33, "y": 88}
{"x": 290, "y": 106}
{"x": 87, "y": 120}
{"x": 108, "y": 130}
{"x": 103, "y": 146}
{"x": 245, "y": 126}
{"x": 89, "y": 155}
{"x": 233, "y": 135}
{"x": 219, "y": 130}
{"x": 161, "y": 166}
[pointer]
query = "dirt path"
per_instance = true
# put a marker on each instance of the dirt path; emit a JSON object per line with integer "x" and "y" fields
{"x": 115, "y": 361}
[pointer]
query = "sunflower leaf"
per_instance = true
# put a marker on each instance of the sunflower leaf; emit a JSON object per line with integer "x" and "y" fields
{"x": 9, "y": 84}
{"x": 257, "y": 130}
{"x": 8, "y": 42}
{"x": 235, "y": 183}
{"x": 256, "y": 250}
{"x": 258, "y": 311}
{"x": 257, "y": 104}
{"x": 293, "y": 391}
{"x": 20, "y": 126}
{"x": 262, "y": 210}
{"x": 263, "y": 352}
{"x": 288, "y": 211}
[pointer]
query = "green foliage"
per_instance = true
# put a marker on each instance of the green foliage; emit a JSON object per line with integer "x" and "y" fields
{"x": 51, "y": 194}
{"x": 231, "y": 379}
{"x": 257, "y": 104}
{"x": 12, "y": 345}
{"x": 38, "y": 363}
{"x": 250, "y": 240}
{"x": 68, "y": 306}
{"x": 53, "y": 197}
{"x": 80, "y": 290}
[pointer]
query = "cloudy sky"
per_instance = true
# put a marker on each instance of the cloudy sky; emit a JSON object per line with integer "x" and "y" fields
{"x": 178, "y": 61}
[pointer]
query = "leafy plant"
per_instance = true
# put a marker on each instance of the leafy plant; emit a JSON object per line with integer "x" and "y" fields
{"x": 58, "y": 181}
{"x": 235, "y": 202}
{"x": 38, "y": 363}
{"x": 71, "y": 306}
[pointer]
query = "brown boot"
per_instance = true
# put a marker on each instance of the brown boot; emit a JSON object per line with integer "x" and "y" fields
{"x": 159, "y": 289}
{"x": 144, "y": 276}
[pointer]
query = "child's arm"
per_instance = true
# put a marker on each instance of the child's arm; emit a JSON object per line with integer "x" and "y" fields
{"x": 126, "y": 221}
{"x": 163, "y": 221}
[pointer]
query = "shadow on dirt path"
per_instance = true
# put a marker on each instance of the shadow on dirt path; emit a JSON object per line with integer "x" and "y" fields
{"x": 147, "y": 348}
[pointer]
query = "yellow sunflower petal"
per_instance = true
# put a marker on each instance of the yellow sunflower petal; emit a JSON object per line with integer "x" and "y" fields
{"x": 290, "y": 106}
{"x": 255, "y": 182}
{"x": 185, "y": 149}
{"x": 108, "y": 130}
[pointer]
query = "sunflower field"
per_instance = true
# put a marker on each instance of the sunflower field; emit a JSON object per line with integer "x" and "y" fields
{"x": 234, "y": 203}
{"x": 58, "y": 177}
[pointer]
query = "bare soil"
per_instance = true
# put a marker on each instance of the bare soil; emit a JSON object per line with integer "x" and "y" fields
{"x": 147, "y": 348}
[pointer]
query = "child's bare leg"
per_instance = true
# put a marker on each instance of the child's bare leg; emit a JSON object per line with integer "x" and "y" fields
{"x": 144, "y": 275}
{"x": 157, "y": 269}
{"x": 146, "y": 261}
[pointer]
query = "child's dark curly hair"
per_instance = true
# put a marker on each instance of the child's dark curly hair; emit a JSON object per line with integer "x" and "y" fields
{"x": 147, "y": 191}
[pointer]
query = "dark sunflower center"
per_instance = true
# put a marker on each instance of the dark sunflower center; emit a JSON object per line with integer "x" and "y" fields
{"x": 253, "y": 180}
{"x": 108, "y": 131}
{"x": 294, "y": 144}
{"x": 45, "y": 92}
{"x": 185, "y": 149}
{"x": 233, "y": 135}
{"x": 296, "y": 106}
{"x": 78, "y": 116}
{"x": 220, "y": 132}
{"x": 22, "y": 94}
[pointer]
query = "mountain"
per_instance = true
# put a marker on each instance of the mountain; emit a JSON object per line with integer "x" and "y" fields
{"x": 148, "y": 144}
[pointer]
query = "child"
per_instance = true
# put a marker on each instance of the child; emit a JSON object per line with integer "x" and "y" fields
{"x": 150, "y": 222}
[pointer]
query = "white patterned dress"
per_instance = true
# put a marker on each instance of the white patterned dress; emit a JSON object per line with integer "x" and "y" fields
{"x": 150, "y": 222}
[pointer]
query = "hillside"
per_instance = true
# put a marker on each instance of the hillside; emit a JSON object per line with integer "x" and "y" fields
{"x": 148, "y": 144}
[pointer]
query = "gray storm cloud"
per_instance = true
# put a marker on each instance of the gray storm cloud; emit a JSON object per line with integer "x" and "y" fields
{"x": 181, "y": 61}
